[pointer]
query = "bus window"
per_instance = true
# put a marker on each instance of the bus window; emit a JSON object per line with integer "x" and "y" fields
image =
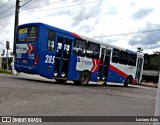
{"x": 67, "y": 47}
{"x": 92, "y": 50}
{"x": 115, "y": 56}
{"x": 51, "y": 38}
{"x": 132, "y": 58}
{"x": 96, "y": 51}
{"x": 123, "y": 58}
{"x": 79, "y": 47}
{"x": 59, "y": 47}
{"x": 27, "y": 34}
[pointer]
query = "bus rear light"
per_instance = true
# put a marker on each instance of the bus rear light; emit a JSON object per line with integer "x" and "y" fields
{"x": 36, "y": 60}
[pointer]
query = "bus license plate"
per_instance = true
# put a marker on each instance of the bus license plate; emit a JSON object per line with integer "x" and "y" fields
{"x": 24, "y": 60}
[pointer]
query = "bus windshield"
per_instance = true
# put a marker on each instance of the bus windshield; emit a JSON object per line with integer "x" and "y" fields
{"x": 27, "y": 34}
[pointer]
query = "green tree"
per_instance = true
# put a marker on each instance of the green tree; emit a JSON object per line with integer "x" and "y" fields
{"x": 152, "y": 62}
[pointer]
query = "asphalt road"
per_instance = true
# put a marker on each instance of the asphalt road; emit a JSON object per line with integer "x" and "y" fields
{"x": 32, "y": 95}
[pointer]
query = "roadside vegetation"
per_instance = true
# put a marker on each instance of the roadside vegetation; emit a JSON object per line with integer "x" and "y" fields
{"x": 5, "y": 71}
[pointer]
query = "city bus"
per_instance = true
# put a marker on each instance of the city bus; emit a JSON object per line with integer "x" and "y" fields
{"x": 58, "y": 54}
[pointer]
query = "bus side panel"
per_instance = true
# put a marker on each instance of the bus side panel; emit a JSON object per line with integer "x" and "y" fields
{"x": 94, "y": 76}
{"x": 115, "y": 77}
{"x": 73, "y": 74}
{"x": 80, "y": 64}
{"x": 116, "y": 74}
{"x": 46, "y": 67}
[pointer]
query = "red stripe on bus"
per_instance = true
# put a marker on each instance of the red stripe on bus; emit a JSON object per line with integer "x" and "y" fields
{"x": 95, "y": 65}
{"x": 30, "y": 48}
{"x": 118, "y": 71}
{"x": 134, "y": 81}
{"x": 75, "y": 35}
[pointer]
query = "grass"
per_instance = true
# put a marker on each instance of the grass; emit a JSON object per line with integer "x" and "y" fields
{"x": 5, "y": 71}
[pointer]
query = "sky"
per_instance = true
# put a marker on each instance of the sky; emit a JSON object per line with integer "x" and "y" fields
{"x": 127, "y": 23}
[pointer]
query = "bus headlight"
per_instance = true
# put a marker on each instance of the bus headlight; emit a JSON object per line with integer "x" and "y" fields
{"x": 55, "y": 73}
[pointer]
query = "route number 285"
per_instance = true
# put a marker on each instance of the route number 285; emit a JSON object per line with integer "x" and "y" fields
{"x": 50, "y": 59}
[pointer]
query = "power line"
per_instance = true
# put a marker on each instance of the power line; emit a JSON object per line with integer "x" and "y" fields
{"x": 59, "y": 7}
{"x": 130, "y": 33}
{"x": 7, "y": 10}
{"x": 2, "y": 44}
{"x": 6, "y": 16}
{"x": 48, "y": 4}
{"x": 5, "y": 4}
{"x": 25, "y": 3}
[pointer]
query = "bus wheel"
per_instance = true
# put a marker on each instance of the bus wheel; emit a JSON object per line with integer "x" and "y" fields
{"x": 128, "y": 81}
{"x": 84, "y": 78}
{"x": 61, "y": 80}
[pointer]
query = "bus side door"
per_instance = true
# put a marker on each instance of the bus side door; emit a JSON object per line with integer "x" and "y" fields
{"x": 139, "y": 69}
{"x": 62, "y": 59}
{"x": 104, "y": 64}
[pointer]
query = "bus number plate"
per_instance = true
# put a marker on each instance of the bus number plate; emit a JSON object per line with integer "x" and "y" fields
{"x": 24, "y": 60}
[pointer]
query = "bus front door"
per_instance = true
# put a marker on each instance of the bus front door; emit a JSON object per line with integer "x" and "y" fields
{"x": 139, "y": 69}
{"x": 63, "y": 50}
{"x": 104, "y": 64}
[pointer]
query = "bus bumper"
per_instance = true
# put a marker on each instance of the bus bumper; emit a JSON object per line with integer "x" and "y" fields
{"x": 26, "y": 69}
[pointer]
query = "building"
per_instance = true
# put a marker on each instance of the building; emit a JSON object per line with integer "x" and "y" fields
{"x": 150, "y": 76}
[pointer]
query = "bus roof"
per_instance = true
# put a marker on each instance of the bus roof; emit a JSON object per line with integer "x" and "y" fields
{"x": 82, "y": 37}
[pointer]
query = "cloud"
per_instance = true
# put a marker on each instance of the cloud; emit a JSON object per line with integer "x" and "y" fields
{"x": 141, "y": 13}
{"x": 34, "y": 4}
{"x": 86, "y": 13}
{"x": 112, "y": 11}
{"x": 148, "y": 40}
{"x": 86, "y": 28}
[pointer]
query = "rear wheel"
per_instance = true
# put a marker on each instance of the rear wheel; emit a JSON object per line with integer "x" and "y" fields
{"x": 84, "y": 78}
{"x": 61, "y": 80}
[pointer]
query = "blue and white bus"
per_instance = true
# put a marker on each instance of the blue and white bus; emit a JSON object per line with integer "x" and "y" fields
{"x": 62, "y": 55}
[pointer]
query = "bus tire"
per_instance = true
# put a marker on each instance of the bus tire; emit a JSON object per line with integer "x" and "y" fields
{"x": 61, "y": 81}
{"x": 84, "y": 78}
{"x": 128, "y": 81}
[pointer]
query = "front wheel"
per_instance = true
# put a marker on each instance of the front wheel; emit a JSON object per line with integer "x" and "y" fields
{"x": 84, "y": 78}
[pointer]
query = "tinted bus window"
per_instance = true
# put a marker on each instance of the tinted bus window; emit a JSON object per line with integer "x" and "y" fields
{"x": 123, "y": 58}
{"x": 51, "y": 38}
{"x": 115, "y": 56}
{"x": 132, "y": 58}
{"x": 79, "y": 47}
{"x": 92, "y": 50}
{"x": 27, "y": 34}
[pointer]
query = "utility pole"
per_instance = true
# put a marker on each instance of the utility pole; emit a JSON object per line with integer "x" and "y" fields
{"x": 14, "y": 40}
{"x": 7, "y": 47}
{"x": 16, "y": 24}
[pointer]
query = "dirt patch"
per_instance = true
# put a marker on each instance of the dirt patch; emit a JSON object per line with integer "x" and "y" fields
{"x": 150, "y": 84}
